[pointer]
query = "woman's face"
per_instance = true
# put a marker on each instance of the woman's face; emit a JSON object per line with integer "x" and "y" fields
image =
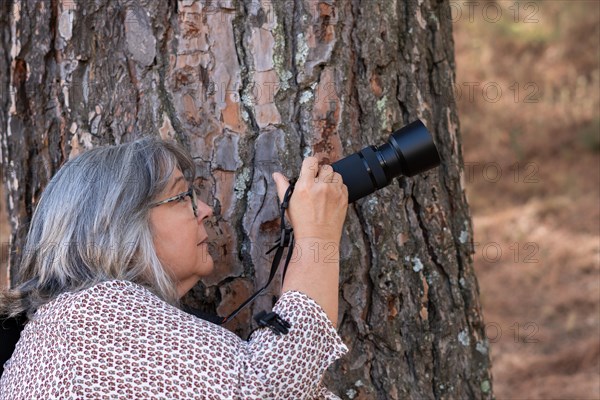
{"x": 180, "y": 239}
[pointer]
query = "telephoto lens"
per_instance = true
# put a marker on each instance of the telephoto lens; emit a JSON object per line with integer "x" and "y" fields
{"x": 409, "y": 151}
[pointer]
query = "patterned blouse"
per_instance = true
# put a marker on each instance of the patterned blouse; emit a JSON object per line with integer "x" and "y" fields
{"x": 118, "y": 340}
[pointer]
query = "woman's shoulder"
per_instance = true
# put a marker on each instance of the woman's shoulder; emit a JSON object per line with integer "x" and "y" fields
{"x": 111, "y": 296}
{"x": 101, "y": 295}
{"x": 115, "y": 293}
{"x": 125, "y": 309}
{"x": 112, "y": 303}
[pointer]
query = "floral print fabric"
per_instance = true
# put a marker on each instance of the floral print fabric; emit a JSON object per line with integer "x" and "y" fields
{"x": 117, "y": 340}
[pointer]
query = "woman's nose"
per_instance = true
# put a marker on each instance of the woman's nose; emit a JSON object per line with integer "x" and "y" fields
{"x": 204, "y": 211}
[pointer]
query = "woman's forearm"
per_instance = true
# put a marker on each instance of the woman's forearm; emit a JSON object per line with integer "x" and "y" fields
{"x": 314, "y": 270}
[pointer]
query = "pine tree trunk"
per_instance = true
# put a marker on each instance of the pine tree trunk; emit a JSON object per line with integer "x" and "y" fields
{"x": 251, "y": 87}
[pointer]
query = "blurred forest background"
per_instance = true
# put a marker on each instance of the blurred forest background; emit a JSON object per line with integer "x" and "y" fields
{"x": 532, "y": 173}
{"x": 528, "y": 94}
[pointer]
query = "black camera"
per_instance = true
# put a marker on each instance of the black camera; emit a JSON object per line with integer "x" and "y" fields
{"x": 409, "y": 151}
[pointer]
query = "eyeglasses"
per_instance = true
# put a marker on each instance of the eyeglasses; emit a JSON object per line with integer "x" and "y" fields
{"x": 181, "y": 197}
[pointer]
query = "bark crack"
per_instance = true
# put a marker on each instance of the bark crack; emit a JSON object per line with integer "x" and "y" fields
{"x": 436, "y": 354}
{"x": 162, "y": 66}
{"x": 429, "y": 246}
{"x": 401, "y": 101}
{"x": 355, "y": 50}
{"x": 243, "y": 55}
{"x": 294, "y": 70}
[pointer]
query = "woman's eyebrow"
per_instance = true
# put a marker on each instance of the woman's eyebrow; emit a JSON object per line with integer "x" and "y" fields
{"x": 177, "y": 180}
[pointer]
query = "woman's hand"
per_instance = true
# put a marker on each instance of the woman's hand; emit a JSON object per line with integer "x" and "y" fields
{"x": 319, "y": 203}
{"x": 317, "y": 211}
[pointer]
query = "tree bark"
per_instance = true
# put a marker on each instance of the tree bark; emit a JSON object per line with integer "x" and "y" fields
{"x": 251, "y": 87}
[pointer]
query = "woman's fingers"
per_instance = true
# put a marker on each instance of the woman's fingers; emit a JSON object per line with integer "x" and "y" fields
{"x": 281, "y": 183}
{"x": 312, "y": 172}
{"x": 309, "y": 170}
{"x": 319, "y": 203}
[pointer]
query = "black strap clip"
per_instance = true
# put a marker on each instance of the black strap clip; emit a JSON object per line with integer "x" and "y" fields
{"x": 272, "y": 321}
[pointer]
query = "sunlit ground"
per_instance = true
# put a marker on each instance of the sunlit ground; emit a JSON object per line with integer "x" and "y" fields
{"x": 531, "y": 142}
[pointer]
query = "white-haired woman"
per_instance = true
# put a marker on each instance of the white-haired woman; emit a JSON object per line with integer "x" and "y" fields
{"x": 116, "y": 239}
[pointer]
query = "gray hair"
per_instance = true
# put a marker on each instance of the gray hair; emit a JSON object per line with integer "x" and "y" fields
{"x": 92, "y": 225}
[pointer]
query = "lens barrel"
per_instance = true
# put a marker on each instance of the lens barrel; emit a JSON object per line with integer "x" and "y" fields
{"x": 409, "y": 151}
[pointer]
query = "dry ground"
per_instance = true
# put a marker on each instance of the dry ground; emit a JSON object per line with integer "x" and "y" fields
{"x": 532, "y": 177}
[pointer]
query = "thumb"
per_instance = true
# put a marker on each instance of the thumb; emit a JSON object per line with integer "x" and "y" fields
{"x": 282, "y": 183}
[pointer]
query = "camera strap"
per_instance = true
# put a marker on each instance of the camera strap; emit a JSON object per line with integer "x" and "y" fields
{"x": 270, "y": 320}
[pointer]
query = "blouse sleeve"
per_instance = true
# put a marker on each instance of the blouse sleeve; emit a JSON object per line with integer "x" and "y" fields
{"x": 291, "y": 366}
